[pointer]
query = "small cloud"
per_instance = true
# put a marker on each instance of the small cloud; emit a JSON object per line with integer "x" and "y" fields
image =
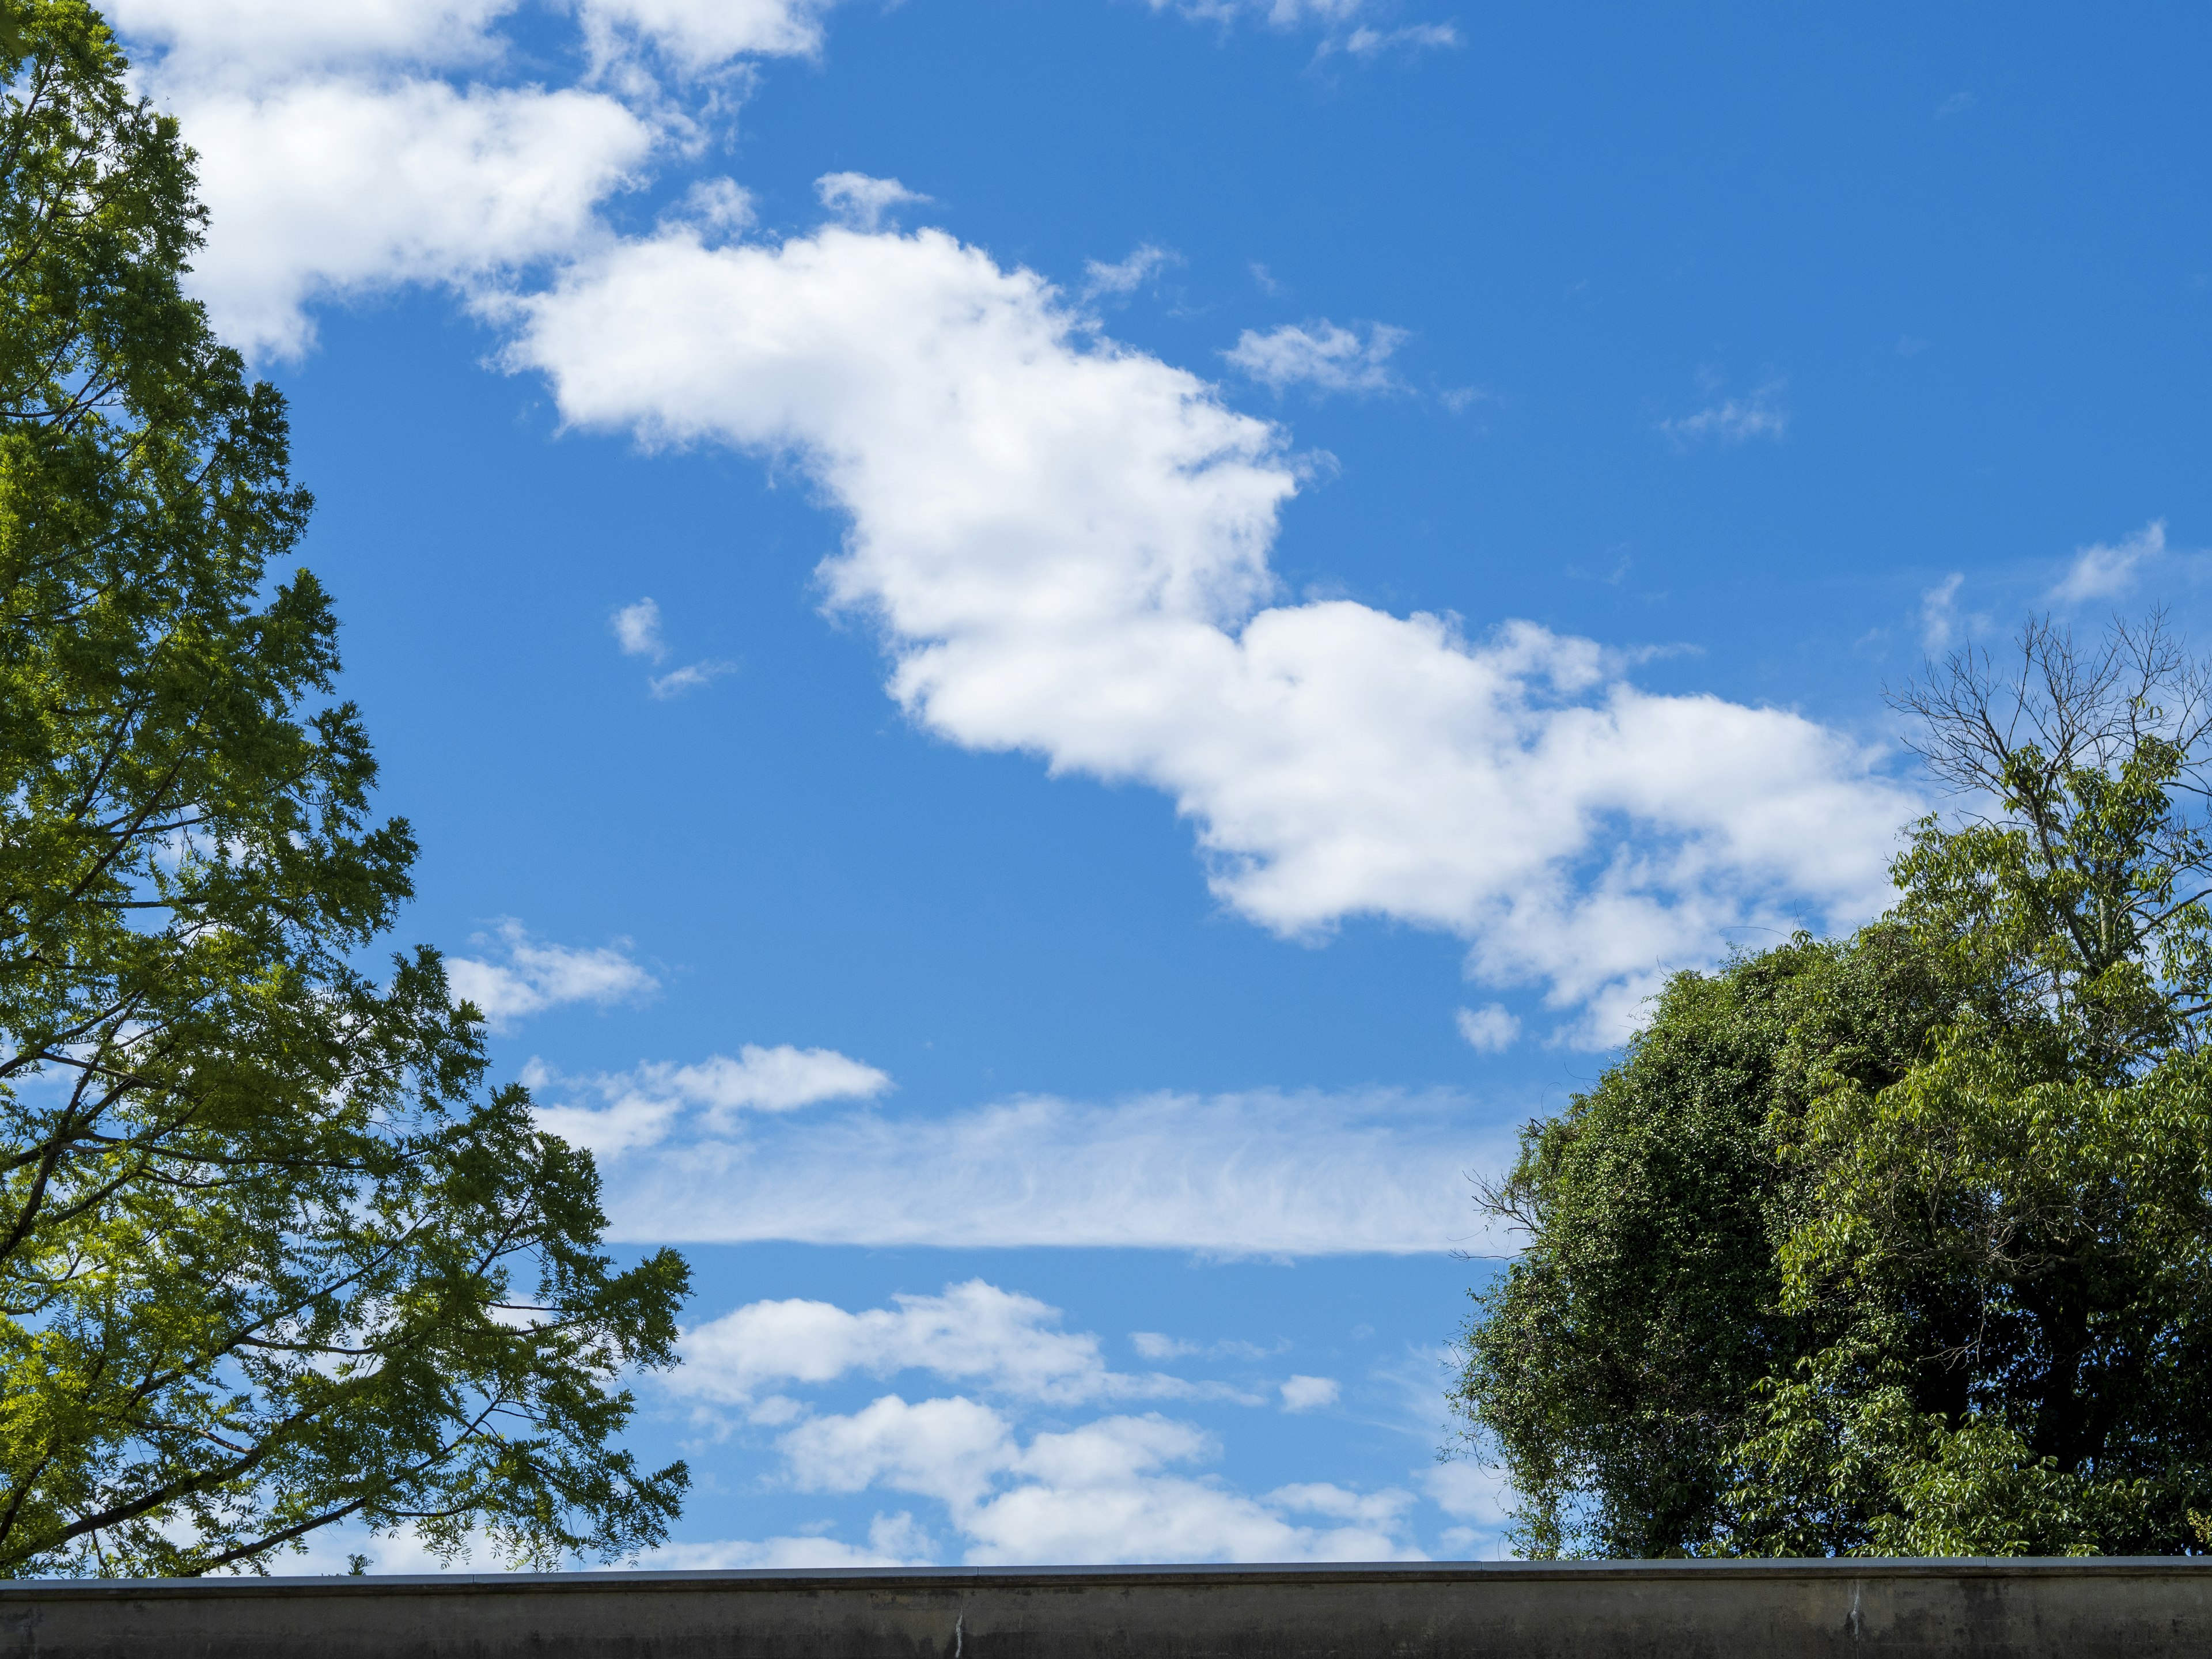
{"x": 1460, "y": 399}
{"x": 1372, "y": 43}
{"x": 534, "y": 977}
{"x": 1957, "y": 104}
{"x": 1130, "y": 273}
{"x": 1267, "y": 282}
{"x": 1734, "y": 420}
{"x": 690, "y": 678}
{"x": 1488, "y": 1030}
{"x": 1153, "y": 1346}
{"x": 639, "y": 1108}
{"x": 1939, "y": 612}
{"x": 2103, "y": 572}
{"x": 861, "y": 201}
{"x": 715, "y": 209}
{"x": 1306, "y": 1393}
{"x": 637, "y": 631}
{"x": 1319, "y": 354}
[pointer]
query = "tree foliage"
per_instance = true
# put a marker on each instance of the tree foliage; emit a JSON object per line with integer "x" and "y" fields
{"x": 271, "y": 1253}
{"x": 1898, "y": 1244}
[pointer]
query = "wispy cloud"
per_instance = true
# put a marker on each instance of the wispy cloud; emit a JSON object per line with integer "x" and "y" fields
{"x": 1320, "y": 354}
{"x": 2105, "y": 570}
{"x": 1938, "y": 613}
{"x": 1257, "y": 1174}
{"x": 1758, "y": 414}
{"x": 642, "y": 1106}
{"x": 637, "y": 631}
{"x": 1126, "y": 276}
{"x": 861, "y": 201}
{"x": 520, "y": 975}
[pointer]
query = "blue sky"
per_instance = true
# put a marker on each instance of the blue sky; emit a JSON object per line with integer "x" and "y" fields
{"x": 1053, "y": 660}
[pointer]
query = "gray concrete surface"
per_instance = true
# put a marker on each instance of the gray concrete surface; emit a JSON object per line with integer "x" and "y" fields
{"x": 1516, "y": 1610}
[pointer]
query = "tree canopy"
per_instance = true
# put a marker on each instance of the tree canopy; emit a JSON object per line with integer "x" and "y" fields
{"x": 272, "y": 1254}
{"x": 1898, "y": 1244}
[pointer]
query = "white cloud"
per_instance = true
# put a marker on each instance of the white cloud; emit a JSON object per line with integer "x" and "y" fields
{"x": 1320, "y": 355}
{"x": 861, "y": 201}
{"x": 637, "y": 631}
{"x": 1125, "y": 276}
{"x": 1759, "y": 414}
{"x": 1258, "y": 1174}
{"x": 1409, "y": 38}
{"x": 536, "y": 976}
{"x": 975, "y": 1333}
{"x": 894, "y": 1540}
{"x": 704, "y": 34}
{"x": 1064, "y": 542}
{"x": 639, "y": 1107}
{"x": 252, "y": 41}
{"x": 1154, "y": 1346}
{"x": 1306, "y": 1393}
{"x": 327, "y": 188}
{"x": 1490, "y": 1030}
{"x": 690, "y": 678}
{"x": 1470, "y": 1491}
{"x": 1939, "y": 612}
{"x": 1099, "y": 1492}
{"x": 2106, "y": 571}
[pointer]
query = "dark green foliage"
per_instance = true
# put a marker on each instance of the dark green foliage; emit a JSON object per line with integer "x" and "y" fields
{"x": 271, "y": 1256}
{"x": 1899, "y": 1245}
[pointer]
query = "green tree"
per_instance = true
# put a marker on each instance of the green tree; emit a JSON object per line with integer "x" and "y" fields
{"x": 1976, "y": 1140}
{"x": 271, "y": 1254}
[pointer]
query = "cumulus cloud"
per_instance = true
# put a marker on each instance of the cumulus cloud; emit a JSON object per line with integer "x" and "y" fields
{"x": 1103, "y": 1491}
{"x": 527, "y": 976}
{"x": 639, "y": 1107}
{"x": 1490, "y": 1030}
{"x": 975, "y": 1333}
{"x": 1257, "y": 1174}
{"x": 348, "y": 148}
{"x": 327, "y": 187}
{"x": 1065, "y": 544}
{"x": 1320, "y": 355}
{"x": 2107, "y": 570}
{"x": 1758, "y": 414}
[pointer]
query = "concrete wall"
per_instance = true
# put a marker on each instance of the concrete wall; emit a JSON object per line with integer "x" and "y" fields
{"x": 1762, "y": 1610}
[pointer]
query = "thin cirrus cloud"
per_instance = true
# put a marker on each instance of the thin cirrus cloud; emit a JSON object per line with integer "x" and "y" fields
{"x": 1066, "y": 546}
{"x": 1321, "y": 355}
{"x": 1266, "y": 1174}
{"x": 616, "y": 1113}
{"x": 520, "y": 975}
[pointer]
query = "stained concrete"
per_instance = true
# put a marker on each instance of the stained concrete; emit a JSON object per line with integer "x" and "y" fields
{"x": 1517, "y": 1610}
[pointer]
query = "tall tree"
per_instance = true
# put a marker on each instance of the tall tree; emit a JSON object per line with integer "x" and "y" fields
{"x": 272, "y": 1256}
{"x": 1943, "y": 1288}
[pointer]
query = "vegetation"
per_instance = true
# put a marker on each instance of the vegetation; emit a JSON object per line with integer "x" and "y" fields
{"x": 1898, "y": 1244}
{"x": 271, "y": 1256}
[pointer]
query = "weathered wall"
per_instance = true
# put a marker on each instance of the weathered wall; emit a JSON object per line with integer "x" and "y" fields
{"x": 1763, "y": 1610}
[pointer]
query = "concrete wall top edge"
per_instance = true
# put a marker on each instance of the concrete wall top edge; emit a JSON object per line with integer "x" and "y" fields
{"x": 922, "y": 1577}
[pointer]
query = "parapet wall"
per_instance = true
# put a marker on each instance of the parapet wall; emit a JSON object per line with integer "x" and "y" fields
{"x": 2139, "y": 1608}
